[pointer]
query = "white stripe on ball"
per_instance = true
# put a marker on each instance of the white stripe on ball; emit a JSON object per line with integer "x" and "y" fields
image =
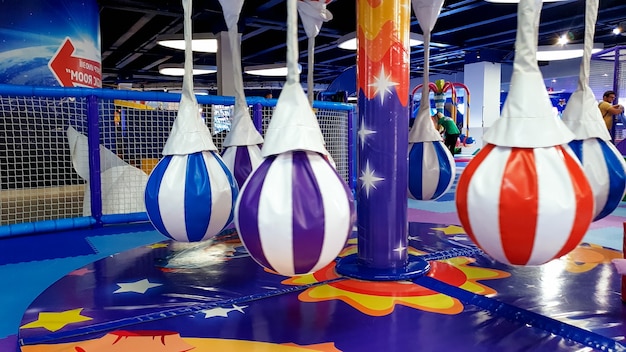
{"x": 221, "y": 194}
{"x": 556, "y": 195}
{"x": 483, "y": 201}
{"x": 171, "y": 196}
{"x": 275, "y": 213}
{"x": 336, "y": 227}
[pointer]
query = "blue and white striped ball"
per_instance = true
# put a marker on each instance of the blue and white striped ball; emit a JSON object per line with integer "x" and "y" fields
{"x": 241, "y": 160}
{"x": 294, "y": 213}
{"x": 431, "y": 170}
{"x": 190, "y": 198}
{"x": 605, "y": 169}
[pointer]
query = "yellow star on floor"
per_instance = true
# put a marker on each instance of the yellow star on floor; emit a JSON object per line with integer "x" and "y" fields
{"x": 56, "y": 321}
{"x": 450, "y": 230}
{"x": 157, "y": 245}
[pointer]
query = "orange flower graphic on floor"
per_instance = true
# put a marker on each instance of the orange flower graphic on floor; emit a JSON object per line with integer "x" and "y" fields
{"x": 380, "y": 298}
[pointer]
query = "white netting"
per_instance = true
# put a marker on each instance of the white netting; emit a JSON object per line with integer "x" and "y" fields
{"x": 37, "y": 181}
{"x": 334, "y": 126}
{"x": 44, "y": 173}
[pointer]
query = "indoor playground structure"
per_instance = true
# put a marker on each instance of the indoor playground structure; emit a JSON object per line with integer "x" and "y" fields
{"x": 449, "y": 106}
{"x": 311, "y": 226}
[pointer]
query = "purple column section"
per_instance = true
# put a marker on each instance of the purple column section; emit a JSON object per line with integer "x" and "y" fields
{"x": 93, "y": 141}
{"x": 382, "y": 70}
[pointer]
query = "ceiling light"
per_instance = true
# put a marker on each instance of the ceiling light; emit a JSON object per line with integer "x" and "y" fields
{"x": 201, "y": 42}
{"x": 179, "y": 69}
{"x": 563, "y": 52}
{"x": 348, "y": 41}
{"x": 272, "y": 70}
{"x": 562, "y": 40}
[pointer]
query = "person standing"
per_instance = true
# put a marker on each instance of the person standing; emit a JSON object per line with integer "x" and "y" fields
{"x": 608, "y": 109}
{"x": 451, "y": 131}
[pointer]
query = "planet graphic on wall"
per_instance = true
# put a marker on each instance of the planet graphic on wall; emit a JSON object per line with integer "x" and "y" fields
{"x": 28, "y": 66}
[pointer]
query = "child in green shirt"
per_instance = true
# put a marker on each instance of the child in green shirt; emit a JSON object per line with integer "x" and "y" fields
{"x": 451, "y": 131}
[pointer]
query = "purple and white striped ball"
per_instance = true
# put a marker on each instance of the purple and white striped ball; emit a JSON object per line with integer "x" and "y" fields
{"x": 294, "y": 213}
{"x": 190, "y": 198}
{"x": 431, "y": 170}
{"x": 241, "y": 160}
{"x": 604, "y": 167}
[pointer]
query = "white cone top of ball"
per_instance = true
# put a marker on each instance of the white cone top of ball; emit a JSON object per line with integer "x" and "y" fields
{"x": 242, "y": 131}
{"x": 423, "y": 129}
{"x": 427, "y": 12}
{"x": 293, "y": 125}
{"x": 527, "y": 120}
{"x": 581, "y": 114}
{"x": 189, "y": 133}
{"x": 313, "y": 14}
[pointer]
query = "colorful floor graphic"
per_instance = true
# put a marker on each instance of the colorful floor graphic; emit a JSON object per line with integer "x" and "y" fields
{"x": 212, "y": 296}
{"x": 132, "y": 291}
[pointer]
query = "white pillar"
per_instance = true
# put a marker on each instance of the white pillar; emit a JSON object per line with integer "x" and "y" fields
{"x": 483, "y": 81}
{"x": 225, "y": 81}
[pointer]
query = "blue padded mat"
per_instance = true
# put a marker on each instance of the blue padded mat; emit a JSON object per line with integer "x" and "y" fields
{"x": 46, "y": 246}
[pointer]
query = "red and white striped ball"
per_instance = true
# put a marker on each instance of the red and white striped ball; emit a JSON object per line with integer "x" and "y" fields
{"x": 294, "y": 213}
{"x": 525, "y": 206}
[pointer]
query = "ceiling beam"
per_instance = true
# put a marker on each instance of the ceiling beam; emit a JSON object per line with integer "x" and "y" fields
{"x": 129, "y": 33}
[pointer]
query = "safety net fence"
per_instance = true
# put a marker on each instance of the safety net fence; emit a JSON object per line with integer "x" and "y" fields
{"x": 57, "y": 143}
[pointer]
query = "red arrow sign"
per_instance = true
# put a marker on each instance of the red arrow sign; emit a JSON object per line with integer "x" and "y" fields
{"x": 73, "y": 71}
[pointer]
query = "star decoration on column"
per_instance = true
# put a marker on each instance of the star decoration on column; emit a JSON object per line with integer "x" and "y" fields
{"x": 369, "y": 179}
{"x": 222, "y": 312}
{"x": 54, "y": 321}
{"x": 400, "y": 249}
{"x": 140, "y": 286}
{"x": 382, "y": 84}
{"x": 363, "y": 133}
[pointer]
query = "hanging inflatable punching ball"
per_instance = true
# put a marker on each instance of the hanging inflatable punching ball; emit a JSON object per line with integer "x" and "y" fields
{"x": 431, "y": 166}
{"x": 190, "y": 193}
{"x": 524, "y": 198}
{"x": 242, "y": 153}
{"x": 294, "y": 213}
{"x": 603, "y": 164}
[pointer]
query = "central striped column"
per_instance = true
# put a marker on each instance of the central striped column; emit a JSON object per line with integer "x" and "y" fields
{"x": 383, "y": 87}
